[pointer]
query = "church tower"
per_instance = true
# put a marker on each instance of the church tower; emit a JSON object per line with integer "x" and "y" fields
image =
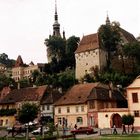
{"x": 56, "y": 25}
{"x": 56, "y": 33}
{"x": 107, "y": 20}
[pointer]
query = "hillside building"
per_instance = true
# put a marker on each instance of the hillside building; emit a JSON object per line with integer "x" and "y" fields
{"x": 90, "y": 55}
{"x": 21, "y": 70}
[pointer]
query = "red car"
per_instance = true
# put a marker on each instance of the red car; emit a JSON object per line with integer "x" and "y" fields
{"x": 83, "y": 130}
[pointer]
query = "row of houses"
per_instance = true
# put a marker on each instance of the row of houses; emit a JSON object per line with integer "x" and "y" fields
{"x": 88, "y": 104}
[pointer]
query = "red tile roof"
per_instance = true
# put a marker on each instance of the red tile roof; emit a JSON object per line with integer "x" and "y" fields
{"x": 88, "y": 42}
{"x": 19, "y": 62}
{"x": 129, "y": 37}
{"x": 78, "y": 94}
{"x": 25, "y": 94}
{"x": 81, "y": 93}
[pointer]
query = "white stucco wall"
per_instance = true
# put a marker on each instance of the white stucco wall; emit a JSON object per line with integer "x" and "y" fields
{"x": 85, "y": 60}
{"x": 104, "y": 118}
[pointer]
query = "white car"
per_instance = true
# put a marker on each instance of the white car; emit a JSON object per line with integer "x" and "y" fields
{"x": 38, "y": 130}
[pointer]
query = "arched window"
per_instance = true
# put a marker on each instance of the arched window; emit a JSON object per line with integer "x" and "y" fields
{"x": 79, "y": 120}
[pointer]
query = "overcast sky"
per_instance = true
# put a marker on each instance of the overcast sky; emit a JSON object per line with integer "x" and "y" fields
{"x": 24, "y": 24}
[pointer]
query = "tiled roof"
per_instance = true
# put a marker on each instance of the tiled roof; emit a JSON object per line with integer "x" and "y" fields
{"x": 77, "y": 94}
{"x": 19, "y": 62}
{"x": 135, "y": 84}
{"x": 81, "y": 93}
{"x": 129, "y": 37}
{"x": 88, "y": 42}
{"x": 25, "y": 94}
{"x": 51, "y": 96}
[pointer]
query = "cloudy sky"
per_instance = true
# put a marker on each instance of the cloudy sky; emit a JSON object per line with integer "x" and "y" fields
{"x": 24, "y": 24}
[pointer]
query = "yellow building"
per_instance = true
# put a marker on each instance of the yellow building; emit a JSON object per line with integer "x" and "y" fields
{"x": 22, "y": 70}
{"x": 13, "y": 101}
{"x": 91, "y": 104}
{"x": 133, "y": 97}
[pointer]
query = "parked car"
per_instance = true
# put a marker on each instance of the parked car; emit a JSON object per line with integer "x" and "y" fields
{"x": 83, "y": 130}
{"x": 38, "y": 131}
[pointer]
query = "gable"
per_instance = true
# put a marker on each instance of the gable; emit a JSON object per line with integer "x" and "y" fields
{"x": 88, "y": 42}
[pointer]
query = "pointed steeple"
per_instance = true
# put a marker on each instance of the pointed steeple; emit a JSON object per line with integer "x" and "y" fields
{"x": 56, "y": 25}
{"x": 19, "y": 62}
{"x": 107, "y": 20}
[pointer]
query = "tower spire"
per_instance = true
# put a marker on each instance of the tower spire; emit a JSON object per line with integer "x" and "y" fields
{"x": 56, "y": 16}
{"x": 107, "y": 19}
{"x": 56, "y": 25}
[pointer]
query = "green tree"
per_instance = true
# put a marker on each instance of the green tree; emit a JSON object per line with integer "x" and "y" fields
{"x": 71, "y": 46}
{"x": 57, "y": 47}
{"x": 67, "y": 79}
{"x": 109, "y": 38}
{"x": 6, "y": 81}
{"x": 131, "y": 51}
{"x": 27, "y": 113}
{"x": 24, "y": 83}
{"x": 5, "y": 60}
{"x": 128, "y": 120}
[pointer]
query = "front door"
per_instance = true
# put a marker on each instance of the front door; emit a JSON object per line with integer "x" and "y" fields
{"x": 117, "y": 120}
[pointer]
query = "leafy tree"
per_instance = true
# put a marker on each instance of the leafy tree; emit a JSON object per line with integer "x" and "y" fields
{"x": 88, "y": 78}
{"x": 109, "y": 38}
{"x": 128, "y": 120}
{"x": 6, "y": 81}
{"x": 131, "y": 51}
{"x": 27, "y": 113}
{"x": 71, "y": 46}
{"x": 67, "y": 79}
{"x": 115, "y": 78}
{"x": 34, "y": 75}
{"x": 56, "y": 47}
{"x": 62, "y": 53}
{"x": 24, "y": 83}
{"x": 5, "y": 60}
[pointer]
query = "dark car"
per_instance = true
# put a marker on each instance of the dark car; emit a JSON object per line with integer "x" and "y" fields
{"x": 83, "y": 130}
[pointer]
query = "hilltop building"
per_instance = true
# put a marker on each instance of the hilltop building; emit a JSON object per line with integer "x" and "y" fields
{"x": 21, "y": 70}
{"x": 89, "y": 54}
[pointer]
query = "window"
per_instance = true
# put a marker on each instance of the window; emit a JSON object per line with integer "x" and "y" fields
{"x": 79, "y": 120}
{"x": 68, "y": 109}
{"x": 48, "y": 107}
{"x": 43, "y": 107}
{"x": 91, "y": 105}
{"x": 59, "y": 110}
{"x": 59, "y": 121}
{"x": 136, "y": 113}
{"x": 1, "y": 122}
{"x": 77, "y": 108}
{"x": 135, "y": 97}
{"x": 82, "y": 108}
{"x": 7, "y": 107}
{"x": 6, "y": 121}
